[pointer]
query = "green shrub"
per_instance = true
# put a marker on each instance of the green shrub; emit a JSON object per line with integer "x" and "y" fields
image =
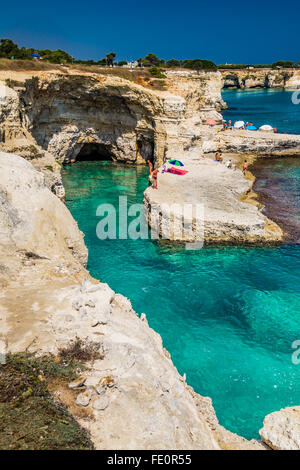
{"x": 200, "y": 64}
{"x": 156, "y": 72}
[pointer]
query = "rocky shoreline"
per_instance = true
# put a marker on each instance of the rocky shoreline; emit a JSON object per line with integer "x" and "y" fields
{"x": 230, "y": 212}
{"x": 261, "y": 78}
{"x": 148, "y": 405}
{"x": 48, "y": 299}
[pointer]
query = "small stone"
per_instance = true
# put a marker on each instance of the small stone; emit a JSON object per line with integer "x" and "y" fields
{"x": 84, "y": 398}
{"x": 92, "y": 381}
{"x": 77, "y": 304}
{"x": 69, "y": 318}
{"x": 100, "y": 390}
{"x": 165, "y": 386}
{"x": 28, "y": 263}
{"x": 130, "y": 361}
{"x": 99, "y": 320}
{"x": 107, "y": 381}
{"x": 82, "y": 312}
{"x": 89, "y": 287}
{"x": 101, "y": 403}
{"x": 102, "y": 320}
{"x": 77, "y": 383}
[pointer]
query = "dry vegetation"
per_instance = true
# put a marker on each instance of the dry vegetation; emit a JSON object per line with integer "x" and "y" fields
{"x": 29, "y": 416}
{"x": 28, "y": 65}
{"x": 140, "y": 76}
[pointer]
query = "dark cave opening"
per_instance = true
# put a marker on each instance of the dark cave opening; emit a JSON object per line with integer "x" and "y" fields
{"x": 145, "y": 148}
{"x": 95, "y": 152}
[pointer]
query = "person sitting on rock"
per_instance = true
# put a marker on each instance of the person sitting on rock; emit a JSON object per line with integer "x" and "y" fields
{"x": 229, "y": 164}
{"x": 219, "y": 157}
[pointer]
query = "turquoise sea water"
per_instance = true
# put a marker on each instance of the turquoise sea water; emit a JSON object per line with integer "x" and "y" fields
{"x": 227, "y": 315}
{"x": 263, "y": 106}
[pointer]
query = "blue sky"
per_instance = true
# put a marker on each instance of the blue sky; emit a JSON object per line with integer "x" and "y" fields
{"x": 222, "y": 31}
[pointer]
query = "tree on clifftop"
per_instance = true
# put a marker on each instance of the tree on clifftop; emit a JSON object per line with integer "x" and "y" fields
{"x": 283, "y": 64}
{"x": 199, "y": 64}
{"x": 173, "y": 63}
{"x": 151, "y": 60}
{"x": 56, "y": 57}
{"x": 9, "y": 49}
{"x": 110, "y": 58}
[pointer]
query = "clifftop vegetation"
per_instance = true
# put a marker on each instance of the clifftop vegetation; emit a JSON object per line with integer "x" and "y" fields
{"x": 10, "y": 50}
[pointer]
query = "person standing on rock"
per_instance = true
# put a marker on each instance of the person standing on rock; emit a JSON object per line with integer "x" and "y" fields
{"x": 245, "y": 167}
{"x": 154, "y": 178}
{"x": 150, "y": 172}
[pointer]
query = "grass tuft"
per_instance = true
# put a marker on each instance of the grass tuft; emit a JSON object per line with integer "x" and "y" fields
{"x": 81, "y": 351}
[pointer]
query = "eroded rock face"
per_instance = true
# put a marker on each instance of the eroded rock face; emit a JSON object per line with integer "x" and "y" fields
{"x": 33, "y": 222}
{"x": 281, "y": 429}
{"x": 62, "y": 115}
{"x": 261, "y": 78}
{"x": 16, "y": 139}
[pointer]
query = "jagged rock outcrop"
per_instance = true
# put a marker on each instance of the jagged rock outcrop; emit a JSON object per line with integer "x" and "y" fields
{"x": 133, "y": 396}
{"x": 261, "y": 78}
{"x": 281, "y": 429}
{"x": 259, "y": 143}
{"x": 33, "y": 222}
{"x": 220, "y": 212}
{"x": 15, "y": 137}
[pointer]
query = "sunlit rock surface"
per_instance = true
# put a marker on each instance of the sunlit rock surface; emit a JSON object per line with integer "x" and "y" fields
{"x": 133, "y": 394}
{"x": 281, "y": 429}
{"x": 221, "y": 211}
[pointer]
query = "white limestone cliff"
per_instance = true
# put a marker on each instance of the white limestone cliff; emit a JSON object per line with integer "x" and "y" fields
{"x": 134, "y": 396}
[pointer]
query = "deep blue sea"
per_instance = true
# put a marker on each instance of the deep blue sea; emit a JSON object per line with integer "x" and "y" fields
{"x": 263, "y": 106}
{"x": 227, "y": 315}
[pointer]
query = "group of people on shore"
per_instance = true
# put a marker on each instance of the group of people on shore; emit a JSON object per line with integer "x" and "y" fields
{"x": 228, "y": 125}
{"x": 229, "y": 164}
